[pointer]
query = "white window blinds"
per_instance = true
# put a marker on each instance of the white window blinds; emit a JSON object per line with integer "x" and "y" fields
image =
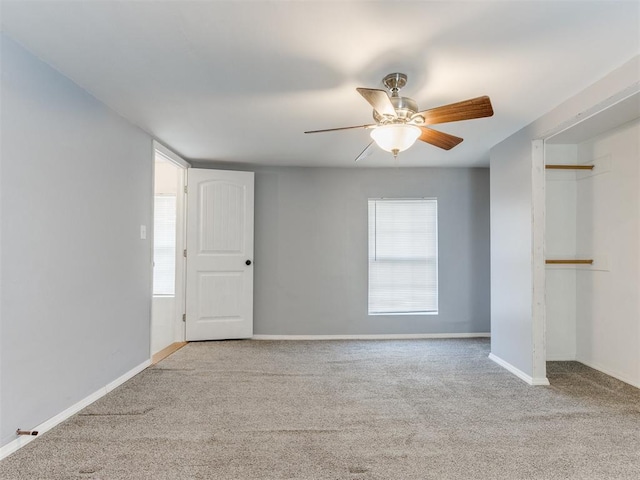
{"x": 164, "y": 245}
{"x": 403, "y": 256}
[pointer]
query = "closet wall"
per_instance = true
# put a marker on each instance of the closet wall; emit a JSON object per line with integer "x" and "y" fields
{"x": 560, "y": 243}
{"x": 593, "y": 312}
{"x": 608, "y": 219}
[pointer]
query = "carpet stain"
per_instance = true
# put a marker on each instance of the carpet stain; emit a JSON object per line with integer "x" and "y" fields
{"x": 558, "y": 416}
{"x": 265, "y": 374}
{"x": 294, "y": 430}
{"x": 89, "y": 470}
{"x": 357, "y": 470}
{"x": 409, "y": 439}
{"x": 115, "y": 414}
{"x": 164, "y": 369}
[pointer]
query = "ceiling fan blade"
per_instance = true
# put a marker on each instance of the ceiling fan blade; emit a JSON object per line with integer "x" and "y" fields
{"x": 379, "y": 100}
{"x": 478, "y": 107}
{"x": 371, "y": 125}
{"x": 439, "y": 139}
{"x": 365, "y": 153}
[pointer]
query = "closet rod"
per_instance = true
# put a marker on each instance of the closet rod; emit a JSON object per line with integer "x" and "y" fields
{"x": 569, "y": 262}
{"x": 569, "y": 167}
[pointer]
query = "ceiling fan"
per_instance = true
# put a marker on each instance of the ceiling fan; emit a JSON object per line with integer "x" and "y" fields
{"x": 399, "y": 123}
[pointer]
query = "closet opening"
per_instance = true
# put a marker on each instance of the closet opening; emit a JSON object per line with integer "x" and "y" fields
{"x": 592, "y": 242}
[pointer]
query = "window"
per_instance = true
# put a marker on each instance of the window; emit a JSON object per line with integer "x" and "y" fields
{"x": 164, "y": 245}
{"x": 403, "y": 256}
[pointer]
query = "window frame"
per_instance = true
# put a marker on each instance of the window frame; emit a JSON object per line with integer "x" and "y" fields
{"x": 433, "y": 258}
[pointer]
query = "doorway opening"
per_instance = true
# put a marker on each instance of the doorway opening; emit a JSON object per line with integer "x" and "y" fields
{"x": 167, "y": 306}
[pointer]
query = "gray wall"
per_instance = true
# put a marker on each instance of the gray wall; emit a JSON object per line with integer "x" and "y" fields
{"x": 311, "y": 249}
{"x": 517, "y": 198}
{"x": 511, "y": 250}
{"x": 75, "y": 295}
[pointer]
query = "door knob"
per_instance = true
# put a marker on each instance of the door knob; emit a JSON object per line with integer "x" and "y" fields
{"x": 248, "y": 262}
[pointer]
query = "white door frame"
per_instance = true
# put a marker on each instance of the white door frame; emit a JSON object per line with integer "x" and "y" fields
{"x": 181, "y": 240}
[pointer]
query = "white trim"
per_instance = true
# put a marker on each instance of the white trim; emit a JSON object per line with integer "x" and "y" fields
{"x": 178, "y": 327}
{"x": 127, "y": 376}
{"x": 517, "y": 372}
{"x": 540, "y": 382}
{"x": 383, "y": 336}
{"x": 152, "y": 240}
{"x": 561, "y": 357}
{"x": 611, "y": 373}
{"x": 170, "y": 156}
{"x": 181, "y": 260}
{"x": 538, "y": 271}
{"x": 47, "y": 425}
{"x": 592, "y": 111}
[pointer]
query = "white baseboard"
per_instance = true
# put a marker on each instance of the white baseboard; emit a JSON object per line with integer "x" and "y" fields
{"x": 611, "y": 373}
{"x": 559, "y": 357}
{"x": 382, "y": 336}
{"x": 519, "y": 373}
{"x": 47, "y": 425}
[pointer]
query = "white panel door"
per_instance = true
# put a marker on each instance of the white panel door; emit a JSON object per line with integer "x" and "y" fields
{"x": 219, "y": 254}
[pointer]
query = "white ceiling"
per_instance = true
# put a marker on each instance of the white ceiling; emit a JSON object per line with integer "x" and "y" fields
{"x": 239, "y": 81}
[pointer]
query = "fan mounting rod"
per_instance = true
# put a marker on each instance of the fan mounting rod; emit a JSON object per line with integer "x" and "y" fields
{"x": 394, "y": 82}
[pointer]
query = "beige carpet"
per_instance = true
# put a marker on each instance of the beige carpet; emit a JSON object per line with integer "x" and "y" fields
{"x": 427, "y": 409}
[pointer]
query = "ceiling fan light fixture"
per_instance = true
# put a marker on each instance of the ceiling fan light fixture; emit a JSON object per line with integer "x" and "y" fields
{"x": 399, "y": 122}
{"x": 395, "y": 137}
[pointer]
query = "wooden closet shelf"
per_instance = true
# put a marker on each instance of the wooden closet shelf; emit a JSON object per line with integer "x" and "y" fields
{"x": 569, "y": 262}
{"x": 569, "y": 167}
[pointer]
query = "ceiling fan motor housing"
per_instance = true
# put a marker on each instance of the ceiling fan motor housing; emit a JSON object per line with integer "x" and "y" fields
{"x": 405, "y": 108}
